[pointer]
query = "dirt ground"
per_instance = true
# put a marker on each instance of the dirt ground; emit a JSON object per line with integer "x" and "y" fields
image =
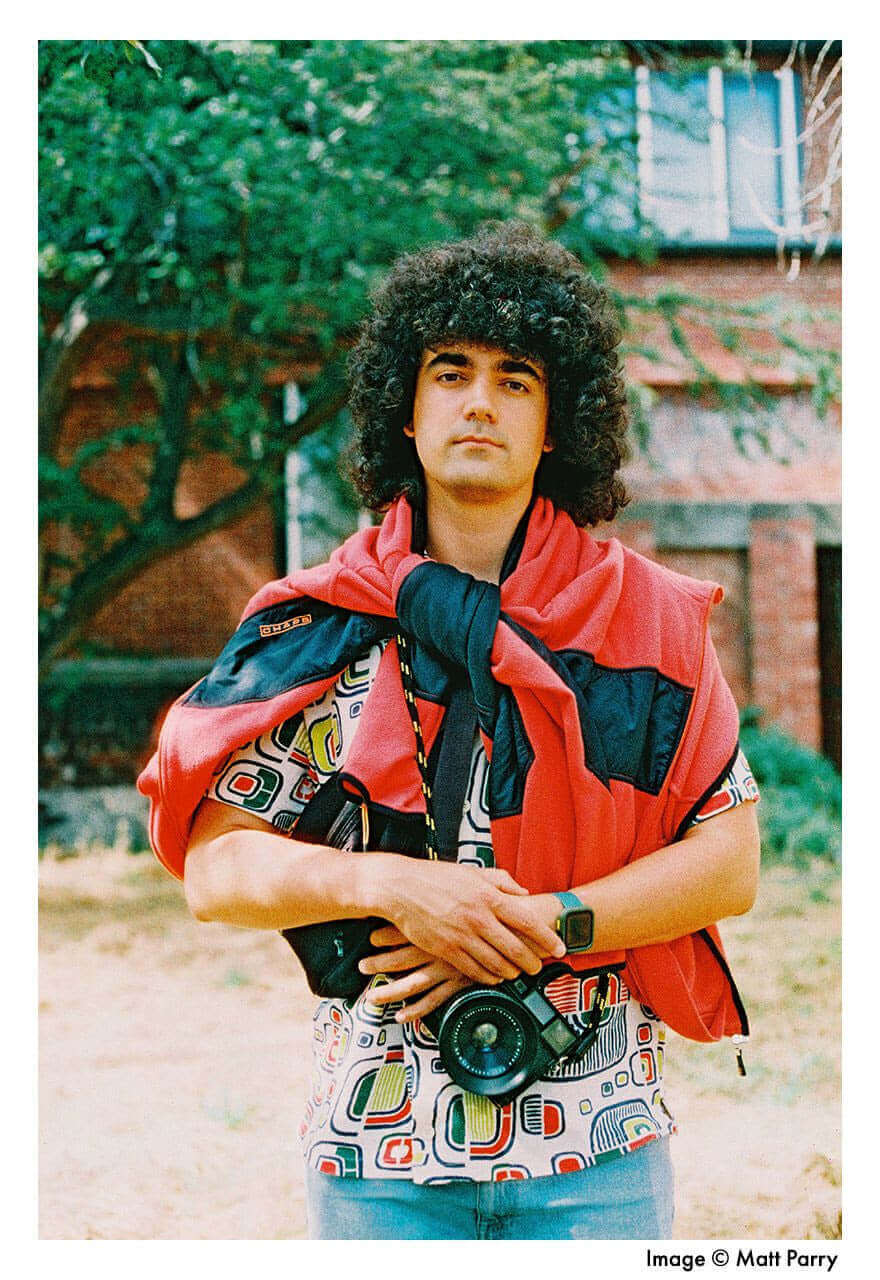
{"x": 174, "y": 1062}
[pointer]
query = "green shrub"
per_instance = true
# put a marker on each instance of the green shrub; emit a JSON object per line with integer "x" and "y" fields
{"x": 800, "y": 809}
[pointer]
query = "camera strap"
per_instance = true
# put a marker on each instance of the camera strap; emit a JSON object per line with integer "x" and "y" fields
{"x": 445, "y": 799}
{"x": 597, "y": 1009}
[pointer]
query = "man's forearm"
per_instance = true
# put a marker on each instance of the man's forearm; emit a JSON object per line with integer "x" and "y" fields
{"x": 262, "y": 880}
{"x": 249, "y": 875}
{"x": 709, "y": 875}
{"x": 671, "y": 892}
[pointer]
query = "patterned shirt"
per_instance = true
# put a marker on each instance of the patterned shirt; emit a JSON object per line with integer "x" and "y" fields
{"x": 381, "y": 1103}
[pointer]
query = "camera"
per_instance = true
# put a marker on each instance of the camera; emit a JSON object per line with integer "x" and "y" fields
{"x": 496, "y": 1040}
{"x": 493, "y": 1040}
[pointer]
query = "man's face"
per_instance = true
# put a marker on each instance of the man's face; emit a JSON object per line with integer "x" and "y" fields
{"x": 479, "y": 421}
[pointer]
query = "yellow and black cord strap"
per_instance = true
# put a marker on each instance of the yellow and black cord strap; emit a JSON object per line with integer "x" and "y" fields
{"x": 409, "y": 694}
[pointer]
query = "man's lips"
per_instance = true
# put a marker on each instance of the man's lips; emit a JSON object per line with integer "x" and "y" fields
{"x": 473, "y": 439}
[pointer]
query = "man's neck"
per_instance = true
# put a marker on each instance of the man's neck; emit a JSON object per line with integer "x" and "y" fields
{"x": 472, "y": 536}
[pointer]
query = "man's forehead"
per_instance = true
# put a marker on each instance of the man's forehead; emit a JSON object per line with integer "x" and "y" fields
{"x": 473, "y": 350}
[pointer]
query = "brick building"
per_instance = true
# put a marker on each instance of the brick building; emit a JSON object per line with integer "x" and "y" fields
{"x": 764, "y": 525}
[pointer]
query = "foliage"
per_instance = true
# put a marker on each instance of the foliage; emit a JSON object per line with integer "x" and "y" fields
{"x": 227, "y": 205}
{"x": 94, "y": 732}
{"x": 801, "y": 798}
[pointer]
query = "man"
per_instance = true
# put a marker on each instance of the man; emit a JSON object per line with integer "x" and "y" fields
{"x": 564, "y": 692}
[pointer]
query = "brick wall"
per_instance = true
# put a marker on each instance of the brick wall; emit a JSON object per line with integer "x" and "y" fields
{"x": 187, "y": 604}
{"x": 785, "y": 622}
{"x": 814, "y": 288}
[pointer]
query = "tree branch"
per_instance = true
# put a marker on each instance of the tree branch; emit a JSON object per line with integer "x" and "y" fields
{"x": 70, "y": 339}
{"x": 105, "y": 577}
{"x": 174, "y": 376}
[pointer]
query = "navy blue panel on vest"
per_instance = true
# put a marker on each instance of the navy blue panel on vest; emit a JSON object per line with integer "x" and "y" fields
{"x": 638, "y": 713}
{"x": 512, "y": 757}
{"x": 455, "y": 615}
{"x": 433, "y": 676}
{"x": 594, "y": 742}
{"x": 284, "y": 646}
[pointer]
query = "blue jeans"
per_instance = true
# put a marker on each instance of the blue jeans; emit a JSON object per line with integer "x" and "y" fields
{"x": 627, "y": 1198}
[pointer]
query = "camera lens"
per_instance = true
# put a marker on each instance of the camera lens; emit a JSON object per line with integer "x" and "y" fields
{"x": 488, "y": 1041}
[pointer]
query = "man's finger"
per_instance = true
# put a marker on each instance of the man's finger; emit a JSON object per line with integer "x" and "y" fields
{"x": 533, "y": 932}
{"x": 504, "y": 881}
{"x": 518, "y": 953}
{"x": 500, "y": 952}
{"x": 431, "y": 1000}
{"x": 393, "y": 961}
{"x": 388, "y": 935}
{"x": 411, "y": 984}
{"x": 465, "y": 963}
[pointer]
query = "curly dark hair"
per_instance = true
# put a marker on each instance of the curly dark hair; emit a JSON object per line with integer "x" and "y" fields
{"x": 505, "y": 287}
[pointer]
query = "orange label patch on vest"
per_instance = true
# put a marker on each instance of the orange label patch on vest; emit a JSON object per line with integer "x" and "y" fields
{"x": 275, "y": 628}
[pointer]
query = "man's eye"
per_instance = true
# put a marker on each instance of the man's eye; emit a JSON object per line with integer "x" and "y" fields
{"x": 516, "y": 386}
{"x": 450, "y": 375}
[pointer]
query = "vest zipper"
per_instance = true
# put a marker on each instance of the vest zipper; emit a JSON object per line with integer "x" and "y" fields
{"x": 738, "y": 1042}
{"x": 740, "y": 1039}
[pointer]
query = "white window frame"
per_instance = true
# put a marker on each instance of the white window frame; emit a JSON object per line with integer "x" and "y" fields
{"x": 718, "y": 155}
{"x": 787, "y": 151}
{"x": 293, "y": 407}
{"x": 791, "y": 180}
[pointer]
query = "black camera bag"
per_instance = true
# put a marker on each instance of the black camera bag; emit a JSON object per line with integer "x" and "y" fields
{"x": 329, "y": 951}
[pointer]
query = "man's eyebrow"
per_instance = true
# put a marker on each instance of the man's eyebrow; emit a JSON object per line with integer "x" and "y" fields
{"x": 519, "y": 366}
{"x": 448, "y": 357}
{"x": 507, "y": 365}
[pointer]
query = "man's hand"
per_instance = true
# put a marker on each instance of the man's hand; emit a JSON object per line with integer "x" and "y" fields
{"x": 436, "y": 980}
{"x": 477, "y": 922}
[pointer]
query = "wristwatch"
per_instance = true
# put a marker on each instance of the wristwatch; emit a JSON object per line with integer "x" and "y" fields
{"x": 574, "y": 923}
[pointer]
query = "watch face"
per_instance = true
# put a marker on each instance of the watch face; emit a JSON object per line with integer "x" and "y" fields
{"x": 578, "y": 930}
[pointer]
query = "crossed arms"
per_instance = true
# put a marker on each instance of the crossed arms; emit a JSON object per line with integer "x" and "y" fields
{"x": 449, "y": 924}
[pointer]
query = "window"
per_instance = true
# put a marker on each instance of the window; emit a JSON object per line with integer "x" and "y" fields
{"x": 320, "y": 509}
{"x": 717, "y": 155}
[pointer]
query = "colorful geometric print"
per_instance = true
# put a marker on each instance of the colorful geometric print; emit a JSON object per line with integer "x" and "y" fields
{"x": 345, "y": 1160}
{"x": 541, "y": 1115}
{"x": 381, "y": 1104}
{"x": 509, "y": 1173}
{"x": 622, "y": 1124}
{"x": 569, "y": 1162}
{"x": 609, "y": 1047}
{"x": 248, "y": 784}
{"x": 738, "y": 787}
{"x": 400, "y": 1151}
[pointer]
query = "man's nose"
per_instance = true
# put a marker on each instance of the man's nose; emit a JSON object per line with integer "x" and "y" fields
{"x": 480, "y": 405}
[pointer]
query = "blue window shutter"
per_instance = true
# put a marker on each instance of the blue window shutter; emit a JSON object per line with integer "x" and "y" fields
{"x": 610, "y": 190}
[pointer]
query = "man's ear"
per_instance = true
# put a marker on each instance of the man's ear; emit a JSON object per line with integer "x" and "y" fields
{"x": 409, "y": 430}
{"x": 548, "y": 445}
